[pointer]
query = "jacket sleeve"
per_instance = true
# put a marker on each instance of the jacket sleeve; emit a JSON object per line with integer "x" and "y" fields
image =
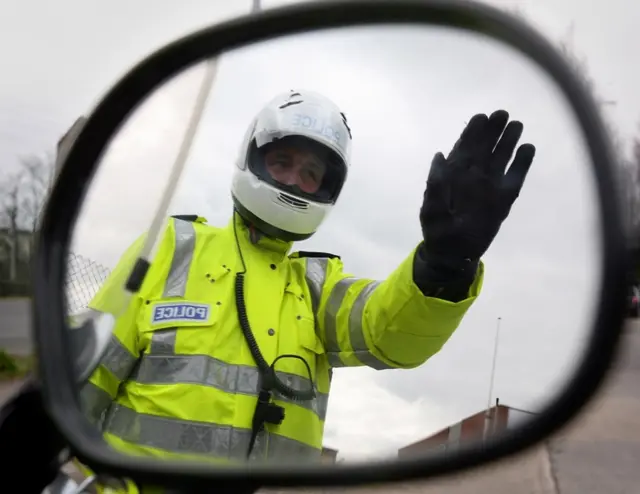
{"x": 122, "y": 352}
{"x": 385, "y": 324}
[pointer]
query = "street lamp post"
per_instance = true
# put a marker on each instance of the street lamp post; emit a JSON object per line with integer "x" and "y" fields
{"x": 487, "y": 416}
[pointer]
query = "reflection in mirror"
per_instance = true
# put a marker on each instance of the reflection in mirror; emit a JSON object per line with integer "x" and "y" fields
{"x": 438, "y": 325}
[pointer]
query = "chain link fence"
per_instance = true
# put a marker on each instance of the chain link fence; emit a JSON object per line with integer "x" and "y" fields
{"x": 84, "y": 278}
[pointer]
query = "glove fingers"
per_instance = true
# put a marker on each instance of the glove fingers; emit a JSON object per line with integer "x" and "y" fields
{"x": 493, "y": 130}
{"x": 471, "y": 135}
{"x": 505, "y": 147}
{"x": 517, "y": 173}
{"x": 437, "y": 167}
{"x": 436, "y": 195}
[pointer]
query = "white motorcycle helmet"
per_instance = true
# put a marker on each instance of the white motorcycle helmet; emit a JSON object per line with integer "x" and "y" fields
{"x": 303, "y": 121}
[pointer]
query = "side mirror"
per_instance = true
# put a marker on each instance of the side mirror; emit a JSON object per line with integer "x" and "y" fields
{"x": 130, "y": 448}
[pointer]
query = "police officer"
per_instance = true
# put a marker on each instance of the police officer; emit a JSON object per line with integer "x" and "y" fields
{"x": 227, "y": 350}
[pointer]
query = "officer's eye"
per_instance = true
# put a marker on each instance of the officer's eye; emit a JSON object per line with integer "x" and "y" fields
{"x": 281, "y": 159}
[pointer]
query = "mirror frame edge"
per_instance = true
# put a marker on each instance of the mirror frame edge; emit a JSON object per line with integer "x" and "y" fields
{"x": 129, "y": 91}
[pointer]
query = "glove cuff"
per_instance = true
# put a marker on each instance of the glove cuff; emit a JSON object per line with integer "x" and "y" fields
{"x": 443, "y": 277}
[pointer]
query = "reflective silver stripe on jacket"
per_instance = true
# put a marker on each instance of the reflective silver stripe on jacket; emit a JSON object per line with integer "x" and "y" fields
{"x": 355, "y": 327}
{"x": 94, "y": 402}
{"x": 208, "y": 371}
{"x": 118, "y": 360}
{"x": 315, "y": 276}
{"x": 184, "y": 249}
{"x": 214, "y": 440}
{"x": 205, "y": 371}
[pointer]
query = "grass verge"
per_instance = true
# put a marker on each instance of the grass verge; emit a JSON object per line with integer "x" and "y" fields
{"x": 14, "y": 366}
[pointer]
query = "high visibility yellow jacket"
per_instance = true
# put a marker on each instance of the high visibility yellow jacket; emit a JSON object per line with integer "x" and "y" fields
{"x": 179, "y": 380}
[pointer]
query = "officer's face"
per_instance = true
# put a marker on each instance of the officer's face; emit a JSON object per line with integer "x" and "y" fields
{"x": 294, "y": 166}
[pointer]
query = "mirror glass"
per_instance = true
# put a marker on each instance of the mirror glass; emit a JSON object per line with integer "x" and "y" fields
{"x": 440, "y": 324}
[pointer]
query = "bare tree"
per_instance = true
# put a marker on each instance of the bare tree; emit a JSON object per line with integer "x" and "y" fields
{"x": 22, "y": 196}
{"x": 37, "y": 180}
{"x": 9, "y": 215}
{"x": 26, "y": 190}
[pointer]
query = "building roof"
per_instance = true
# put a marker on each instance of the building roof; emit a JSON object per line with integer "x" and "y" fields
{"x": 447, "y": 428}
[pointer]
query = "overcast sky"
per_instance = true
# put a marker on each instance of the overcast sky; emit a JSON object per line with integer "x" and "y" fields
{"x": 407, "y": 94}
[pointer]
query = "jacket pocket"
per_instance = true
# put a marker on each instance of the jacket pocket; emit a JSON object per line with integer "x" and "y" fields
{"x": 310, "y": 348}
{"x": 309, "y": 339}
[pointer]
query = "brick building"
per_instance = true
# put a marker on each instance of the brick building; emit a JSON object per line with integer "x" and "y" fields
{"x": 470, "y": 429}
{"x": 329, "y": 455}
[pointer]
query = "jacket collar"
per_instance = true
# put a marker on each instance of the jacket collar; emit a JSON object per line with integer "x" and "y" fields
{"x": 248, "y": 235}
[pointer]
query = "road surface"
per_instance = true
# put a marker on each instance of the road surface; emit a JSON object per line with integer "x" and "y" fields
{"x": 15, "y": 322}
{"x": 600, "y": 452}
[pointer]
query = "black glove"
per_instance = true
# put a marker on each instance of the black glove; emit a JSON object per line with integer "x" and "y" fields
{"x": 468, "y": 196}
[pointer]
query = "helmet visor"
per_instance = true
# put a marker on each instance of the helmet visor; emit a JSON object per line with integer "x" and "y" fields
{"x": 300, "y": 166}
